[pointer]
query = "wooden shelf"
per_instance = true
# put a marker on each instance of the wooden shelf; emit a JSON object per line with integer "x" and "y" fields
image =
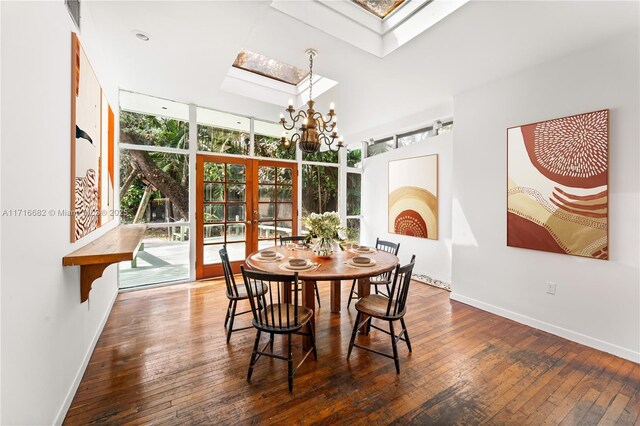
{"x": 117, "y": 245}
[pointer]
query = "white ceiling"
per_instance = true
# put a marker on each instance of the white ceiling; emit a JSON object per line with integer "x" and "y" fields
{"x": 193, "y": 44}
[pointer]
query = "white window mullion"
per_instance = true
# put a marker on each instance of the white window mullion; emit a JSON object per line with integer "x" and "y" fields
{"x": 299, "y": 160}
{"x": 342, "y": 185}
{"x": 193, "y": 149}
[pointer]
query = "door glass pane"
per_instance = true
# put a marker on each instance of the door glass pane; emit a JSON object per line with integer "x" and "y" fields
{"x": 236, "y": 251}
{"x": 211, "y": 254}
{"x": 236, "y": 232}
{"x": 266, "y": 193}
{"x": 213, "y": 172}
{"x": 235, "y": 172}
{"x": 236, "y": 212}
{"x": 213, "y": 213}
{"x": 284, "y": 210}
{"x": 284, "y": 193}
{"x": 213, "y": 192}
{"x": 266, "y": 230}
{"x": 266, "y": 211}
{"x": 284, "y": 176}
{"x": 263, "y": 244}
{"x": 266, "y": 174}
{"x": 236, "y": 192}
{"x": 213, "y": 234}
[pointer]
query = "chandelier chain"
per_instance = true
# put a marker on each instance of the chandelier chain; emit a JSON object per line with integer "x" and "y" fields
{"x": 310, "y": 76}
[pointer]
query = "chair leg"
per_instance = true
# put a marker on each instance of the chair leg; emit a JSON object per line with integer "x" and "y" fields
{"x": 290, "y": 362}
{"x": 395, "y": 347}
{"x": 388, "y": 290}
{"x": 406, "y": 334}
{"x": 315, "y": 286}
{"x": 253, "y": 355}
{"x": 353, "y": 287}
{"x": 231, "y": 318}
{"x": 353, "y": 335}
{"x": 226, "y": 318}
{"x": 271, "y": 342}
{"x": 313, "y": 341}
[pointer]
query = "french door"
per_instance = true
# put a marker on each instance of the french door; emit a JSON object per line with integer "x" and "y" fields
{"x": 244, "y": 204}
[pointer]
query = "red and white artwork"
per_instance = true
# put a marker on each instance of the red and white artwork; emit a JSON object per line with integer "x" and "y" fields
{"x": 557, "y": 197}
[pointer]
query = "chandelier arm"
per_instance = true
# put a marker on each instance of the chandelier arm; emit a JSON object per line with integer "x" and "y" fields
{"x": 295, "y": 138}
{"x": 300, "y": 115}
{"x": 284, "y": 125}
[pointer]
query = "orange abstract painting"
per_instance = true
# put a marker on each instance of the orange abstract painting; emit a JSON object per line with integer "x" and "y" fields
{"x": 557, "y": 195}
{"x": 413, "y": 197}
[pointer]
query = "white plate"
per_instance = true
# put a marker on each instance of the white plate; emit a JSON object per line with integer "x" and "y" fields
{"x": 370, "y": 250}
{"x": 258, "y": 257}
{"x": 287, "y": 267}
{"x": 350, "y": 262}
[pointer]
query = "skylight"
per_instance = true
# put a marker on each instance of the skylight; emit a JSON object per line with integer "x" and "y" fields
{"x": 380, "y": 8}
{"x": 267, "y": 67}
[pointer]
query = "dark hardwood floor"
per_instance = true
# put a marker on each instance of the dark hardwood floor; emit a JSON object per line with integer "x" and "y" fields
{"x": 162, "y": 359}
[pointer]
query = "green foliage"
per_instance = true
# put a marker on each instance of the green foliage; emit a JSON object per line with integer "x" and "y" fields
{"x": 354, "y": 158}
{"x": 151, "y": 131}
{"x": 215, "y": 139}
{"x": 266, "y": 146}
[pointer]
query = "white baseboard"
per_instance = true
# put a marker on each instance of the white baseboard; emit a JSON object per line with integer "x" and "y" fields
{"x": 76, "y": 382}
{"x": 550, "y": 328}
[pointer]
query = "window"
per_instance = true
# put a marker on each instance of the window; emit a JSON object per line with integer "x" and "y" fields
{"x": 222, "y": 132}
{"x": 407, "y": 139}
{"x": 267, "y": 67}
{"x": 354, "y": 195}
{"x": 163, "y": 256}
{"x": 321, "y": 157}
{"x": 354, "y": 156}
{"x": 154, "y": 186}
{"x": 267, "y": 141}
{"x": 319, "y": 189}
{"x": 152, "y": 130}
{"x": 380, "y": 147}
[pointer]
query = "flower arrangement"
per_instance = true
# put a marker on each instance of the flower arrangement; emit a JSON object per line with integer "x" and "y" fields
{"x": 326, "y": 227}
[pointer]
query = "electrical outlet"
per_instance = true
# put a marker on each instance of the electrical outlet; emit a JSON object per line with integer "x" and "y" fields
{"x": 551, "y": 287}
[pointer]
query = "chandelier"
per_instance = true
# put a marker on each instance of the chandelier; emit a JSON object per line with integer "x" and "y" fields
{"x": 314, "y": 129}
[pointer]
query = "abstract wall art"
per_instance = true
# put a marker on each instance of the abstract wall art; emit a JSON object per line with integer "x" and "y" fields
{"x": 557, "y": 189}
{"x": 413, "y": 197}
{"x": 91, "y": 148}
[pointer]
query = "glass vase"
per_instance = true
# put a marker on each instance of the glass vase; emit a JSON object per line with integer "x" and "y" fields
{"x": 323, "y": 248}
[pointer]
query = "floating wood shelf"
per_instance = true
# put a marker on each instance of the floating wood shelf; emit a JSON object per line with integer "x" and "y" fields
{"x": 117, "y": 245}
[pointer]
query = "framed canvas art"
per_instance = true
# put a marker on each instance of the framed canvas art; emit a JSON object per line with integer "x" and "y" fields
{"x": 91, "y": 148}
{"x": 413, "y": 197}
{"x": 557, "y": 185}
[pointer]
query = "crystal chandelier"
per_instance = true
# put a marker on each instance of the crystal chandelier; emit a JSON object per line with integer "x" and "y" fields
{"x": 314, "y": 128}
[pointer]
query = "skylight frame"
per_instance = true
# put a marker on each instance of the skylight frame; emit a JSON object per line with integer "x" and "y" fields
{"x": 263, "y": 68}
{"x": 397, "y": 4}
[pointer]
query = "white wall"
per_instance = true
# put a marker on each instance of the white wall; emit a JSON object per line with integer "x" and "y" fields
{"x": 433, "y": 257}
{"x": 597, "y": 302}
{"x": 47, "y": 334}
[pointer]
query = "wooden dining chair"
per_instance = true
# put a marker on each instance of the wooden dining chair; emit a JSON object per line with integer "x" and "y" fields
{"x": 299, "y": 239}
{"x": 380, "y": 280}
{"x": 276, "y": 316}
{"x": 235, "y": 293}
{"x": 388, "y": 309}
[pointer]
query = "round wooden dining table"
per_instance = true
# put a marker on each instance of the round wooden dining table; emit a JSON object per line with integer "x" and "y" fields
{"x": 333, "y": 269}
